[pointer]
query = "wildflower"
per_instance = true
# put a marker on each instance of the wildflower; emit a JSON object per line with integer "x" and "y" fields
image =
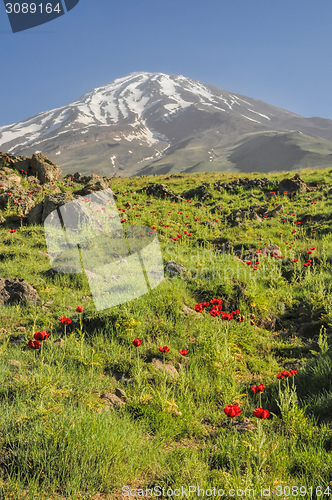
{"x": 34, "y": 344}
{"x": 164, "y": 349}
{"x": 260, "y": 413}
{"x": 65, "y": 320}
{"x": 215, "y": 301}
{"x": 293, "y": 372}
{"x": 137, "y": 342}
{"x": 232, "y": 411}
{"x": 252, "y": 323}
{"x": 280, "y": 376}
{"x": 285, "y": 374}
{"x": 255, "y": 268}
{"x": 153, "y": 227}
{"x": 295, "y": 260}
{"x": 312, "y": 248}
{"x": 79, "y": 309}
{"x": 198, "y": 308}
{"x": 183, "y": 352}
{"x": 41, "y": 335}
{"x": 249, "y": 262}
{"x": 258, "y": 388}
{"x": 12, "y": 231}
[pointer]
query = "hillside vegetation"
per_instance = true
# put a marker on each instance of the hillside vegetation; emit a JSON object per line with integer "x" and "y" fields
{"x": 88, "y": 412}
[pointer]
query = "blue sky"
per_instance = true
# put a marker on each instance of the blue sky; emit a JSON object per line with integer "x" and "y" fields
{"x": 278, "y": 52}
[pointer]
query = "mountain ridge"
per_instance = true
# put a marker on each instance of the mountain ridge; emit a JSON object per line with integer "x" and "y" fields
{"x": 168, "y": 123}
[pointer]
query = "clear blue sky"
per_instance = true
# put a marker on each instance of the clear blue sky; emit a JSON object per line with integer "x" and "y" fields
{"x": 275, "y": 51}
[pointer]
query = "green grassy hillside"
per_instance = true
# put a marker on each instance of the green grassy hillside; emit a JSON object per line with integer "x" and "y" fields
{"x": 62, "y": 438}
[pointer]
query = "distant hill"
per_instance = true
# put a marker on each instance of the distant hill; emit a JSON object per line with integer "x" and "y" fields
{"x": 146, "y": 123}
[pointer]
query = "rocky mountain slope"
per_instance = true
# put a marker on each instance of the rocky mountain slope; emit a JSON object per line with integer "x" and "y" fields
{"x": 146, "y": 123}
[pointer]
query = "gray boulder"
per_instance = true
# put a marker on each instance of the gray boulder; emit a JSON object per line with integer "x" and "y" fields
{"x": 51, "y": 202}
{"x": 44, "y": 169}
{"x": 173, "y": 268}
{"x": 275, "y": 212}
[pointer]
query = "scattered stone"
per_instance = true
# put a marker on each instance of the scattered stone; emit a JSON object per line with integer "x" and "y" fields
{"x": 294, "y": 185}
{"x": 275, "y": 212}
{"x": 217, "y": 208}
{"x": 112, "y": 399}
{"x": 173, "y": 268}
{"x": 95, "y": 183}
{"x": 51, "y": 202}
{"x": 190, "y": 312}
{"x": 44, "y": 169}
{"x": 120, "y": 393}
{"x": 254, "y": 216}
{"x": 168, "y": 367}
{"x": 16, "y": 290}
{"x": 33, "y": 180}
{"x": 59, "y": 342}
{"x": 14, "y": 178}
{"x": 243, "y": 182}
{"x": 201, "y": 192}
{"x": 21, "y": 328}
{"x": 270, "y": 249}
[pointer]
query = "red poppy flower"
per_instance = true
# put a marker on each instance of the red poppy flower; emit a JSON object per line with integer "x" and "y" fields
{"x": 34, "y": 344}
{"x": 79, "y": 309}
{"x": 12, "y": 231}
{"x": 137, "y": 342}
{"x": 280, "y": 376}
{"x": 153, "y": 227}
{"x": 255, "y": 268}
{"x": 260, "y": 413}
{"x": 164, "y": 349}
{"x": 232, "y": 411}
{"x": 293, "y": 372}
{"x": 198, "y": 308}
{"x": 295, "y": 260}
{"x": 249, "y": 262}
{"x": 41, "y": 335}
{"x": 285, "y": 373}
{"x": 65, "y": 320}
{"x": 312, "y": 248}
{"x": 215, "y": 301}
{"x": 258, "y": 388}
{"x": 183, "y": 352}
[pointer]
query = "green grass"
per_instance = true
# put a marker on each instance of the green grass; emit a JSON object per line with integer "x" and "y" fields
{"x": 58, "y": 438}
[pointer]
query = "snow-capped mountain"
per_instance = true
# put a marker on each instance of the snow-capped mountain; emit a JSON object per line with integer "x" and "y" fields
{"x": 157, "y": 123}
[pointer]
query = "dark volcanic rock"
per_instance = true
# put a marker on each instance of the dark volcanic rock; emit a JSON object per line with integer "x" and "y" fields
{"x": 293, "y": 185}
{"x": 16, "y": 290}
{"x": 201, "y": 192}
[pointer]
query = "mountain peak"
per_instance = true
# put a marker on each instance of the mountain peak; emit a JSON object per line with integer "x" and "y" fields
{"x": 145, "y": 119}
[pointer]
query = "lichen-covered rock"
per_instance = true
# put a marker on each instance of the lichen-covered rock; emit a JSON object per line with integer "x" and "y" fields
{"x": 44, "y": 168}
